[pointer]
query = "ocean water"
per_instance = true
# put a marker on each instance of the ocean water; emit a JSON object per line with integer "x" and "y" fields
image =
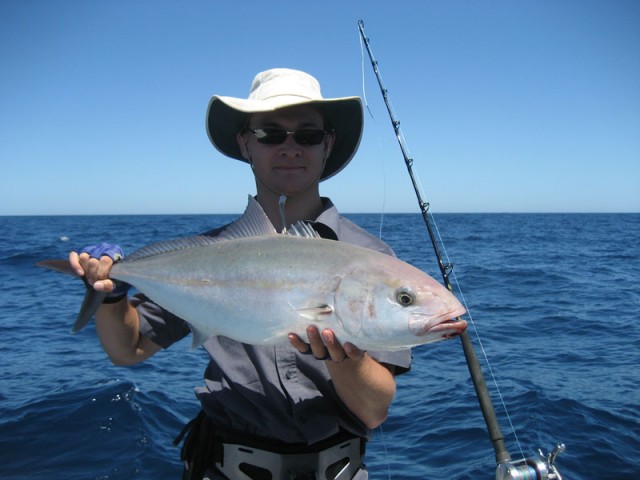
{"x": 554, "y": 301}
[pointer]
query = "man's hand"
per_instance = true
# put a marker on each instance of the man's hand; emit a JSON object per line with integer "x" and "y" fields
{"x": 94, "y": 263}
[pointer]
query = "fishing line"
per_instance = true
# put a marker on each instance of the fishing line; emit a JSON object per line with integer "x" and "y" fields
{"x": 386, "y": 453}
{"x": 471, "y": 320}
{"x": 480, "y": 344}
{"x": 364, "y": 92}
{"x": 384, "y": 198}
{"x": 538, "y": 467}
{"x": 469, "y": 315}
{"x": 451, "y": 272}
{"x": 373, "y": 119}
{"x": 502, "y": 454}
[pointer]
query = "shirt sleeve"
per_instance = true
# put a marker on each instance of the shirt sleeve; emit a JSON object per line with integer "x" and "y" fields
{"x": 401, "y": 359}
{"x": 157, "y": 324}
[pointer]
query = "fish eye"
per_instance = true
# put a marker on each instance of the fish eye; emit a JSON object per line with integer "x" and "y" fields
{"x": 405, "y": 297}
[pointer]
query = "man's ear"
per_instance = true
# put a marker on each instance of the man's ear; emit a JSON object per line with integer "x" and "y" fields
{"x": 328, "y": 144}
{"x": 242, "y": 140}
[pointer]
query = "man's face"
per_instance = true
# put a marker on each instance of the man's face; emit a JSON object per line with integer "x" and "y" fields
{"x": 286, "y": 168}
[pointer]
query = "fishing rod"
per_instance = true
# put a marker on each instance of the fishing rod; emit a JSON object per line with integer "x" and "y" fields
{"x": 534, "y": 468}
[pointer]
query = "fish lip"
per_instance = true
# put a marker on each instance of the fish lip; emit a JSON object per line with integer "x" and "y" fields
{"x": 446, "y": 326}
{"x": 450, "y": 328}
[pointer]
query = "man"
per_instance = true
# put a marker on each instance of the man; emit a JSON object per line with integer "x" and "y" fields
{"x": 270, "y": 412}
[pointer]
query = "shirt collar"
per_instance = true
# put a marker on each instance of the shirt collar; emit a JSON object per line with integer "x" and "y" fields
{"x": 330, "y": 216}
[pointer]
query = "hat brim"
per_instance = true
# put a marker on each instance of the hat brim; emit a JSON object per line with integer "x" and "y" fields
{"x": 226, "y": 116}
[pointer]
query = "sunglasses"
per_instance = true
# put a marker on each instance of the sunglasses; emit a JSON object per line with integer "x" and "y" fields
{"x": 277, "y": 136}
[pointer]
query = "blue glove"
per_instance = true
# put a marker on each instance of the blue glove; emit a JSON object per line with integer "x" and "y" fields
{"x": 115, "y": 253}
{"x": 111, "y": 250}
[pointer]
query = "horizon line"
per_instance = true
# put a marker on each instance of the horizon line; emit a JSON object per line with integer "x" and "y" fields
{"x": 3, "y": 215}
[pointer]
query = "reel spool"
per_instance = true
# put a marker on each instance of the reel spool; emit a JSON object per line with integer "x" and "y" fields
{"x": 533, "y": 468}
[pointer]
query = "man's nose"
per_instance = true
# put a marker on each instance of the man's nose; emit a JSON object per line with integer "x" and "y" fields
{"x": 290, "y": 147}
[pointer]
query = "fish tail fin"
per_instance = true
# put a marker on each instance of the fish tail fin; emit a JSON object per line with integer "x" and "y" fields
{"x": 92, "y": 298}
{"x": 62, "y": 266}
{"x": 90, "y": 304}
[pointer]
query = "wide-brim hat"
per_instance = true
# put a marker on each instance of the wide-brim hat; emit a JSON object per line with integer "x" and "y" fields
{"x": 280, "y": 88}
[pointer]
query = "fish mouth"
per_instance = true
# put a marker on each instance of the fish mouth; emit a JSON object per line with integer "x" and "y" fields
{"x": 449, "y": 328}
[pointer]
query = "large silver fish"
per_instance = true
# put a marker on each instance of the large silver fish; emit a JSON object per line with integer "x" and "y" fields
{"x": 256, "y": 286}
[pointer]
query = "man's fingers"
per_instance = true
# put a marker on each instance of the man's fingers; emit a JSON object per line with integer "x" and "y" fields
{"x": 74, "y": 261}
{"x": 315, "y": 341}
{"x": 336, "y": 351}
{"x": 325, "y": 346}
{"x": 297, "y": 343}
{"x": 95, "y": 271}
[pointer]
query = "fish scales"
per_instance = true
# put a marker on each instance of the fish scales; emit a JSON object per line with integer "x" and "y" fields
{"x": 257, "y": 290}
{"x": 256, "y": 286}
{"x": 251, "y": 289}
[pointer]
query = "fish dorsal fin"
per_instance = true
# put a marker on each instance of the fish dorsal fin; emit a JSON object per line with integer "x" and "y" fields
{"x": 302, "y": 229}
{"x": 253, "y": 223}
{"x": 169, "y": 246}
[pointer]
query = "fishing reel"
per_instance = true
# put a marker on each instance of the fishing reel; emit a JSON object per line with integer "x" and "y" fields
{"x": 532, "y": 468}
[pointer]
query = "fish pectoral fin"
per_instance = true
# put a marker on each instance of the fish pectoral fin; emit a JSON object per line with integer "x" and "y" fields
{"x": 315, "y": 313}
{"x": 199, "y": 337}
{"x": 90, "y": 304}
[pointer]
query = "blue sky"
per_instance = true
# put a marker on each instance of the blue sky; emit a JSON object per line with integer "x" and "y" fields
{"x": 506, "y": 106}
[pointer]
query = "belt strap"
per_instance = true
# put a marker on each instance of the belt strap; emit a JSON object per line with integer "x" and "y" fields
{"x": 338, "y": 462}
{"x": 241, "y": 457}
